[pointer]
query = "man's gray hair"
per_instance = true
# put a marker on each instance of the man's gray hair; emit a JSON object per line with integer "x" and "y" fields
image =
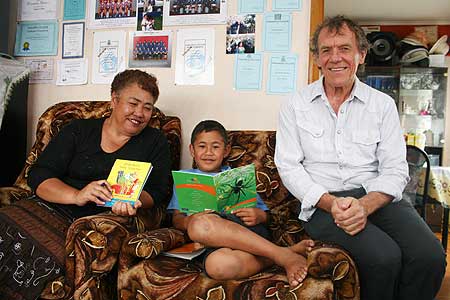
{"x": 335, "y": 24}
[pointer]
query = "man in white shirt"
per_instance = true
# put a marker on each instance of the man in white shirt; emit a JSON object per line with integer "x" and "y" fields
{"x": 340, "y": 150}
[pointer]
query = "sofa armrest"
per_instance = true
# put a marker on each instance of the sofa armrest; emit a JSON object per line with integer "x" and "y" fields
{"x": 328, "y": 261}
{"x": 148, "y": 245}
{"x": 285, "y": 226}
{"x": 12, "y": 194}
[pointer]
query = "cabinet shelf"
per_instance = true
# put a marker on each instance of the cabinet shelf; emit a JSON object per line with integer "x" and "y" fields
{"x": 417, "y": 115}
{"x": 403, "y": 90}
{"x": 414, "y": 89}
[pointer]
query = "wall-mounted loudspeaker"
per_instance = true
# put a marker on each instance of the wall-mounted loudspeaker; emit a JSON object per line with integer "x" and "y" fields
{"x": 383, "y": 49}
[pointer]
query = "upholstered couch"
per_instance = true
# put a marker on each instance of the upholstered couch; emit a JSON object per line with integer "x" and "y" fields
{"x": 107, "y": 256}
{"x": 143, "y": 274}
{"x": 92, "y": 243}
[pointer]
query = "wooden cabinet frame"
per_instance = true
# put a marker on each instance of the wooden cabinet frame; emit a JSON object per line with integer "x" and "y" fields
{"x": 316, "y": 17}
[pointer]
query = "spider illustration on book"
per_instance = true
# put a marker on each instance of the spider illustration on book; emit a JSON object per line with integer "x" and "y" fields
{"x": 237, "y": 188}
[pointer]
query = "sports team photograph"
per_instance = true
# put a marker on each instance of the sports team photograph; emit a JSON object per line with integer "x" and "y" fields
{"x": 192, "y": 7}
{"x": 110, "y": 9}
{"x": 150, "y": 49}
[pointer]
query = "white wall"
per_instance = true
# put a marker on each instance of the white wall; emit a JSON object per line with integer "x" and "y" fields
{"x": 236, "y": 110}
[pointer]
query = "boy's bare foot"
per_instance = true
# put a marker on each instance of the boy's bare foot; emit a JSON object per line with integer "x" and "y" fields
{"x": 303, "y": 247}
{"x": 295, "y": 266}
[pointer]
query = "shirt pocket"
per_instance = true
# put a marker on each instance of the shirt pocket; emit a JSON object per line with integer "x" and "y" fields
{"x": 365, "y": 143}
{"x": 311, "y": 138}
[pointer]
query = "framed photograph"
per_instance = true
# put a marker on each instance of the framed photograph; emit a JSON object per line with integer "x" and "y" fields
{"x": 112, "y": 13}
{"x": 149, "y": 15}
{"x": 193, "y": 12}
{"x": 150, "y": 49}
{"x": 241, "y": 34}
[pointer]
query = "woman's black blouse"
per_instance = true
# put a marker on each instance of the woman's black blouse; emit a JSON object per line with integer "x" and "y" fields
{"x": 76, "y": 157}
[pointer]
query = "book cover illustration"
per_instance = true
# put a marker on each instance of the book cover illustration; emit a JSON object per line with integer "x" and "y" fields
{"x": 223, "y": 192}
{"x": 127, "y": 178}
{"x": 187, "y": 251}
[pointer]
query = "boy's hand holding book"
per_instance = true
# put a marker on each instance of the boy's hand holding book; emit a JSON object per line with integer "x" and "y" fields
{"x": 251, "y": 216}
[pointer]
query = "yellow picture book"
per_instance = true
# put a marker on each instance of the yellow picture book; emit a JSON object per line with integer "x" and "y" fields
{"x": 127, "y": 178}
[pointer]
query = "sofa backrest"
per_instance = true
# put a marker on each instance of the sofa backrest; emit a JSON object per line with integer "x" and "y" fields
{"x": 258, "y": 147}
{"x": 58, "y": 115}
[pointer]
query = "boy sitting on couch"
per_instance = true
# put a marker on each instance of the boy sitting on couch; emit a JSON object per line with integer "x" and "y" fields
{"x": 238, "y": 244}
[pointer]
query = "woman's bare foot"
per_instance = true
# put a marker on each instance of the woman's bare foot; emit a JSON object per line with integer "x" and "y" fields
{"x": 295, "y": 266}
{"x": 303, "y": 247}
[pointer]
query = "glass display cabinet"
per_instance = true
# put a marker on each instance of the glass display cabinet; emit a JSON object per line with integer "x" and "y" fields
{"x": 420, "y": 94}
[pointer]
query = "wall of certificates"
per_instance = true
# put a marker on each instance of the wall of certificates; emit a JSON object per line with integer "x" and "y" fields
{"x": 236, "y": 59}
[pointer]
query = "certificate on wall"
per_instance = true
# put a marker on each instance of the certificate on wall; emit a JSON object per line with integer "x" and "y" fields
{"x": 36, "y": 38}
{"x": 282, "y": 77}
{"x": 150, "y": 49}
{"x": 286, "y": 4}
{"x": 108, "y": 14}
{"x": 108, "y": 56}
{"x": 41, "y": 70}
{"x": 29, "y": 10}
{"x": 251, "y": 6}
{"x": 74, "y": 9}
{"x": 180, "y": 12}
{"x": 195, "y": 57}
{"x": 248, "y": 72}
{"x": 73, "y": 40}
{"x": 277, "y": 32}
{"x": 71, "y": 72}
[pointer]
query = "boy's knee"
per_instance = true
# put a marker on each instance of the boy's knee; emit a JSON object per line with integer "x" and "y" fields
{"x": 222, "y": 267}
{"x": 201, "y": 226}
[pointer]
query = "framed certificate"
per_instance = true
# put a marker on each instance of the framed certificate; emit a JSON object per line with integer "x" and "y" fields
{"x": 36, "y": 38}
{"x": 73, "y": 40}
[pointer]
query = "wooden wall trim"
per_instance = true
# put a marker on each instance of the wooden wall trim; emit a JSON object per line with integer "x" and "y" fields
{"x": 316, "y": 17}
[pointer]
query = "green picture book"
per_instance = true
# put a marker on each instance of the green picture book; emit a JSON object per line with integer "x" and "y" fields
{"x": 223, "y": 192}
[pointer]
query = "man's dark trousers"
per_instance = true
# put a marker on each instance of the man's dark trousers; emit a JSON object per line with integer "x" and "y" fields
{"x": 397, "y": 255}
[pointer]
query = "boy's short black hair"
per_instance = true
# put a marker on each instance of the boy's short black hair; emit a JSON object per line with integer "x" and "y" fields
{"x": 207, "y": 126}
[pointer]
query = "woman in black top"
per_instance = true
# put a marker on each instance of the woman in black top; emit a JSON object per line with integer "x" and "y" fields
{"x": 71, "y": 172}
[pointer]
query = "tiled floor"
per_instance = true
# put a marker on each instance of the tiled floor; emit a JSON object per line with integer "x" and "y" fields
{"x": 444, "y": 293}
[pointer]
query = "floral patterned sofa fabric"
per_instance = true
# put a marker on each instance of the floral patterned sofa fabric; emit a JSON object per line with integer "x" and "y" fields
{"x": 143, "y": 274}
{"x": 92, "y": 244}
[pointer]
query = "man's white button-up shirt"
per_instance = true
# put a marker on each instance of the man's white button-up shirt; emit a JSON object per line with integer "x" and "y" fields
{"x": 319, "y": 151}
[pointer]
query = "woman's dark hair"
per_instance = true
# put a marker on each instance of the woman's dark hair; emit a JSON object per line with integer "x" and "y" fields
{"x": 145, "y": 81}
{"x": 335, "y": 24}
{"x": 208, "y": 126}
